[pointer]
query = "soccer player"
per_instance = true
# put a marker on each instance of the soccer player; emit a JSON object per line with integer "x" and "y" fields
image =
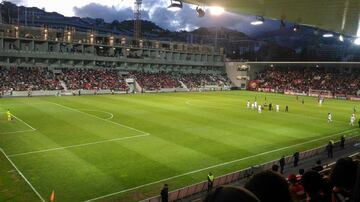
{"x": 352, "y": 120}
{"x": 8, "y": 115}
{"x": 255, "y": 104}
{"x": 248, "y": 104}
{"x": 287, "y": 108}
{"x": 252, "y": 106}
{"x": 329, "y": 117}
{"x": 277, "y": 107}
{"x": 259, "y": 109}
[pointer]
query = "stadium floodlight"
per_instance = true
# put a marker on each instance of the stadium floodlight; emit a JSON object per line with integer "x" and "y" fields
{"x": 328, "y": 35}
{"x": 259, "y": 21}
{"x": 357, "y": 41}
{"x": 200, "y": 12}
{"x": 341, "y": 38}
{"x": 175, "y": 5}
{"x": 216, "y": 10}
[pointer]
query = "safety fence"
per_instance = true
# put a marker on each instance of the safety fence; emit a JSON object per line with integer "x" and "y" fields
{"x": 201, "y": 187}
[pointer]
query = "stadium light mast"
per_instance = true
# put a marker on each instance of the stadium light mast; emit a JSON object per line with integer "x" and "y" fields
{"x": 137, "y": 19}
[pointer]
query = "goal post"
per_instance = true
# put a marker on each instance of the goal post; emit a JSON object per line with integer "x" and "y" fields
{"x": 322, "y": 93}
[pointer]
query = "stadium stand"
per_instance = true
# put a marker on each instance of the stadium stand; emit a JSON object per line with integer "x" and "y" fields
{"x": 90, "y": 79}
{"x": 23, "y": 79}
{"x": 34, "y": 79}
{"x": 156, "y": 81}
{"x": 198, "y": 80}
{"x": 304, "y": 79}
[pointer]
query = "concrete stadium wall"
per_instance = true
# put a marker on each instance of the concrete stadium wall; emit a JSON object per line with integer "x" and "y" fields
{"x": 233, "y": 74}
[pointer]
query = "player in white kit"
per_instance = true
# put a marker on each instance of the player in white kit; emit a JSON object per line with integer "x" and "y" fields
{"x": 248, "y": 104}
{"x": 352, "y": 120}
{"x": 255, "y": 104}
{"x": 277, "y": 107}
{"x": 259, "y": 109}
{"x": 329, "y": 117}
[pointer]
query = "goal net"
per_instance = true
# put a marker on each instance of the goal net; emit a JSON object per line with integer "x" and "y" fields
{"x": 322, "y": 93}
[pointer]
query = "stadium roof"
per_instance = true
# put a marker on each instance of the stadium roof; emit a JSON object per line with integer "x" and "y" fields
{"x": 340, "y": 16}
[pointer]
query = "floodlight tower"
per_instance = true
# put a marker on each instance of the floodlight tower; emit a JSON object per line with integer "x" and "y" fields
{"x": 137, "y": 19}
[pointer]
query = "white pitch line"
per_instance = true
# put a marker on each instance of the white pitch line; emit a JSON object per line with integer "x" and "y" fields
{"x": 23, "y": 122}
{"x": 19, "y": 131}
{"x": 107, "y": 120}
{"x": 22, "y": 175}
{"x": 78, "y": 145}
{"x": 217, "y": 165}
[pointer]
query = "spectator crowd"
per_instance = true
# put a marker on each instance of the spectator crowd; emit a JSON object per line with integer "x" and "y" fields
{"x": 303, "y": 79}
{"x": 90, "y": 79}
{"x": 31, "y": 79}
{"x": 24, "y": 79}
{"x": 155, "y": 81}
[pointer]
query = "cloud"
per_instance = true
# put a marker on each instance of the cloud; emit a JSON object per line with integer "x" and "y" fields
{"x": 108, "y": 13}
{"x": 185, "y": 19}
{"x": 17, "y": 2}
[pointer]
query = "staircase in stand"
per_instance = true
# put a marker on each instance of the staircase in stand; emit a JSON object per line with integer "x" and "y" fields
{"x": 62, "y": 83}
{"x": 184, "y": 86}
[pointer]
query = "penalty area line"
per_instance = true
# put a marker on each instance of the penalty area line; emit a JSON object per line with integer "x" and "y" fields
{"x": 23, "y": 122}
{"x": 32, "y": 129}
{"x": 78, "y": 145}
{"x": 218, "y": 165}
{"x": 22, "y": 175}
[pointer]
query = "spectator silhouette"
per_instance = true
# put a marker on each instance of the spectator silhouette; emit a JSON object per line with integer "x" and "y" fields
{"x": 344, "y": 178}
{"x": 316, "y": 188}
{"x": 269, "y": 186}
{"x": 231, "y": 194}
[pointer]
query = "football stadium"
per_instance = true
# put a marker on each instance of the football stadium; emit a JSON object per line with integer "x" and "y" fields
{"x": 249, "y": 101}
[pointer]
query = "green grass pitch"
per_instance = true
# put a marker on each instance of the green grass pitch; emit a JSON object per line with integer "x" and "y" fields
{"x": 125, "y": 147}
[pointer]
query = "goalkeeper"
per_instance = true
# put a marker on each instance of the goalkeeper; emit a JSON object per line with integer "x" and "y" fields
{"x": 8, "y": 115}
